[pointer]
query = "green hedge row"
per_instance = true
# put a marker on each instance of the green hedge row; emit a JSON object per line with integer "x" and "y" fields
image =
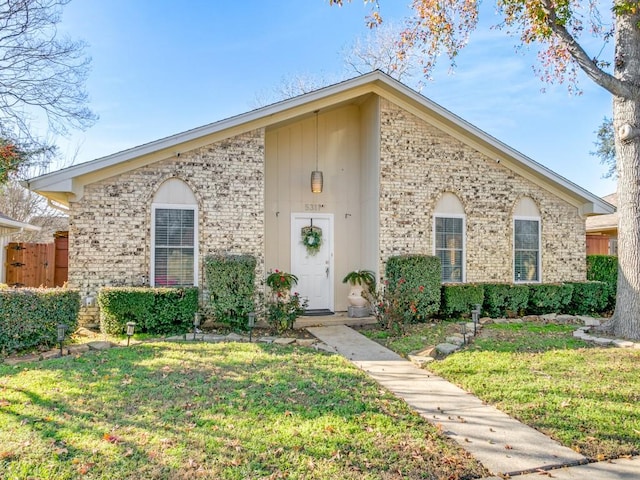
{"x": 158, "y": 311}
{"x": 414, "y": 280}
{"x": 231, "y": 283}
{"x": 29, "y": 316}
{"x": 604, "y": 268}
{"x": 507, "y": 300}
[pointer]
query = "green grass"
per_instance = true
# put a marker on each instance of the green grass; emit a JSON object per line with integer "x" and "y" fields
{"x": 414, "y": 338}
{"x": 228, "y": 411}
{"x": 583, "y": 396}
{"x": 527, "y": 337}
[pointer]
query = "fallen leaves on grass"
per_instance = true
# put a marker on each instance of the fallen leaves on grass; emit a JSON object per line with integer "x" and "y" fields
{"x": 109, "y": 437}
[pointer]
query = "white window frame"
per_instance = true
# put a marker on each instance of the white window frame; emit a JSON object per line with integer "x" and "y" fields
{"x": 539, "y": 256}
{"x": 174, "y": 206}
{"x": 464, "y": 243}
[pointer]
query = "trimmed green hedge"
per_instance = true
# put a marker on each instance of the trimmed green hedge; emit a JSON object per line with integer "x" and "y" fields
{"x": 604, "y": 268}
{"x": 29, "y": 316}
{"x": 231, "y": 283}
{"x": 589, "y": 298}
{"x": 415, "y": 281}
{"x": 460, "y": 298}
{"x": 505, "y": 299}
{"x": 549, "y": 298}
{"x": 159, "y": 311}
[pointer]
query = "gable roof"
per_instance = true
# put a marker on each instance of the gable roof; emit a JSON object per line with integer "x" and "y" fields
{"x": 67, "y": 184}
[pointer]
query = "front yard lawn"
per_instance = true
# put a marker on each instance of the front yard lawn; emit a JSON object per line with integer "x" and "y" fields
{"x": 584, "y": 396}
{"x": 231, "y": 411}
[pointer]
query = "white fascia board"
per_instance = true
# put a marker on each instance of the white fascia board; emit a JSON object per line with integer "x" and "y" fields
{"x": 14, "y": 224}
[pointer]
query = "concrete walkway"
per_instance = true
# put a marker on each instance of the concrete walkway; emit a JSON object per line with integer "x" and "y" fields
{"x": 503, "y": 445}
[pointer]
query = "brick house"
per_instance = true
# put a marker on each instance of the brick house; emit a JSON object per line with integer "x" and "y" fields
{"x": 400, "y": 175}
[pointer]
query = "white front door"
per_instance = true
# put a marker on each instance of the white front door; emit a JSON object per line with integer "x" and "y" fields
{"x": 314, "y": 270}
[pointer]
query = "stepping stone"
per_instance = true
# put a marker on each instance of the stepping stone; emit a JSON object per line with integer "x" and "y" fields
{"x": 602, "y": 341}
{"x": 420, "y": 360}
{"x": 52, "y": 354}
{"x": 284, "y": 341}
{"x": 78, "y": 348}
{"x": 213, "y": 338}
{"x": 305, "y": 342}
{"x": 234, "y": 337}
{"x": 456, "y": 340}
{"x": 447, "y": 348}
{"x": 623, "y": 344}
{"x": 267, "y": 339}
{"x": 590, "y": 321}
{"x": 100, "y": 345}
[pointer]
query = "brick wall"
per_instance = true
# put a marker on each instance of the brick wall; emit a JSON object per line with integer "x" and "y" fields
{"x": 420, "y": 162}
{"x": 110, "y": 226}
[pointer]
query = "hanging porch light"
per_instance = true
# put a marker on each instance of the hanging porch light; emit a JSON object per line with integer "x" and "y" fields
{"x": 317, "y": 181}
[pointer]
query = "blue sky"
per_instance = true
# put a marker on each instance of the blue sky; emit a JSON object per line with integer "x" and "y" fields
{"x": 164, "y": 66}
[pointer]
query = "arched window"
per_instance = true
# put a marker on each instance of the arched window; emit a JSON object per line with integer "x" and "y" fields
{"x": 449, "y": 235}
{"x": 526, "y": 241}
{"x": 174, "y": 234}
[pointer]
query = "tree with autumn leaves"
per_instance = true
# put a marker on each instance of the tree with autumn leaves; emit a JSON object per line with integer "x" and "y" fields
{"x": 560, "y": 30}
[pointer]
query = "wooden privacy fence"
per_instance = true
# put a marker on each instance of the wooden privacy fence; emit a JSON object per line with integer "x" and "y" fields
{"x": 38, "y": 264}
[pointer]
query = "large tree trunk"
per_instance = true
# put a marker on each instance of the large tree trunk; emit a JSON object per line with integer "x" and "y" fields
{"x": 626, "y": 123}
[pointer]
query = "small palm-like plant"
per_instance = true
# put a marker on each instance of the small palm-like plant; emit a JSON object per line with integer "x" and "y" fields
{"x": 366, "y": 278}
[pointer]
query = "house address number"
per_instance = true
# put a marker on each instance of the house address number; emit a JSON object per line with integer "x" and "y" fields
{"x": 313, "y": 207}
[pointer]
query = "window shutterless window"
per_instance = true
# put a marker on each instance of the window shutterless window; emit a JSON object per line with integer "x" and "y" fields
{"x": 449, "y": 247}
{"x": 526, "y": 250}
{"x": 174, "y": 253}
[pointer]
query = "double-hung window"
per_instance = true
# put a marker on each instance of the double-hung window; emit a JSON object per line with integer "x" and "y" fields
{"x": 526, "y": 249}
{"x": 174, "y": 253}
{"x": 449, "y": 246}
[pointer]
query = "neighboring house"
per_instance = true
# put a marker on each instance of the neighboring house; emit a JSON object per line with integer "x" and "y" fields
{"x": 602, "y": 231}
{"x": 9, "y": 228}
{"x": 401, "y": 175}
{"x": 50, "y": 227}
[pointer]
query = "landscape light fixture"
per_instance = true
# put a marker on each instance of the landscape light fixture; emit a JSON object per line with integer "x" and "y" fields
{"x": 463, "y": 331}
{"x": 196, "y": 324}
{"x": 61, "y": 330}
{"x": 131, "y": 326}
{"x": 316, "y": 176}
{"x": 251, "y": 323}
{"x": 475, "y": 314}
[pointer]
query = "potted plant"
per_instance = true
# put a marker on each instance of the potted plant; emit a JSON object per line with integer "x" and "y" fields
{"x": 281, "y": 281}
{"x": 362, "y": 281}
